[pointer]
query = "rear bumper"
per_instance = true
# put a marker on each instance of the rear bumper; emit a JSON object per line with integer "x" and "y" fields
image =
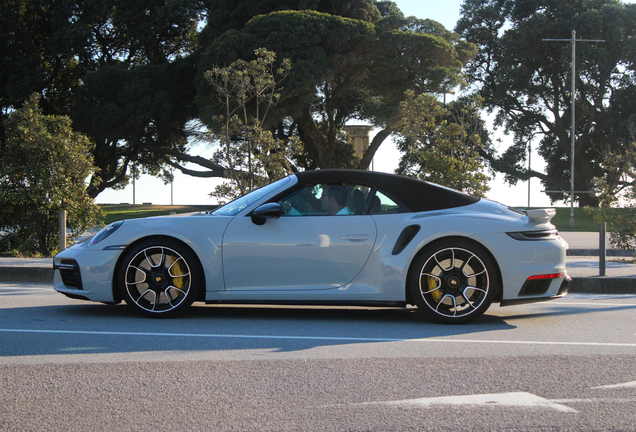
{"x": 562, "y": 292}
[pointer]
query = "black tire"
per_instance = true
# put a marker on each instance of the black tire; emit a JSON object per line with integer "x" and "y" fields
{"x": 159, "y": 277}
{"x": 453, "y": 281}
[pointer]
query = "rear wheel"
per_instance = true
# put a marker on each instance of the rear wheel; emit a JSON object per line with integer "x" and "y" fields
{"x": 453, "y": 281}
{"x": 159, "y": 278}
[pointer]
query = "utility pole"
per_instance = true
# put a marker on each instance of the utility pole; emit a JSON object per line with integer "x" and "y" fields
{"x": 573, "y": 41}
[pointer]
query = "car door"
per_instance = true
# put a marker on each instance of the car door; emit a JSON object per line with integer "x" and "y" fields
{"x": 302, "y": 250}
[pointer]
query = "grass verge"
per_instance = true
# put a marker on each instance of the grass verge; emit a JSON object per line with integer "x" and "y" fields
{"x": 117, "y": 212}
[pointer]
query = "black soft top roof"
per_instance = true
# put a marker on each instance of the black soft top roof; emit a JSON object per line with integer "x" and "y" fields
{"x": 416, "y": 195}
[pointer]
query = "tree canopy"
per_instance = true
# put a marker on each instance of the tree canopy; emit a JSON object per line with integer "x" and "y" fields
{"x": 442, "y": 144}
{"x": 250, "y": 155}
{"x": 526, "y": 81}
{"x": 132, "y": 75}
{"x": 91, "y": 60}
{"x": 343, "y": 69}
{"x": 136, "y": 117}
{"x": 617, "y": 188}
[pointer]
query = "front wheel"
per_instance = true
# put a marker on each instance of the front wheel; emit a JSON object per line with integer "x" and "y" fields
{"x": 453, "y": 281}
{"x": 159, "y": 278}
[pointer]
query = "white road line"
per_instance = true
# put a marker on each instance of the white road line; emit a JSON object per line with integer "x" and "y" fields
{"x": 591, "y": 304}
{"x": 595, "y": 400}
{"x": 26, "y": 288}
{"x": 631, "y": 384}
{"x": 316, "y": 338}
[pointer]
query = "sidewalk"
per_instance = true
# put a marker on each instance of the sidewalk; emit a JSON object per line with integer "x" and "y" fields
{"x": 583, "y": 260}
{"x": 583, "y": 265}
{"x": 620, "y": 276}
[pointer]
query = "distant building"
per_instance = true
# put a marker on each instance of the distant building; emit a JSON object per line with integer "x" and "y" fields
{"x": 359, "y": 137}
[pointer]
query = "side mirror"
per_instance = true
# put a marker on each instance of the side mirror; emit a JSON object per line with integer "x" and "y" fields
{"x": 266, "y": 211}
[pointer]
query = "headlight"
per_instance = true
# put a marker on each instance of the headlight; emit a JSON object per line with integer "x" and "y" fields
{"x": 105, "y": 232}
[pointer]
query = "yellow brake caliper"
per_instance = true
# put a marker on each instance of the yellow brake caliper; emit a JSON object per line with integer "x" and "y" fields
{"x": 177, "y": 271}
{"x": 432, "y": 284}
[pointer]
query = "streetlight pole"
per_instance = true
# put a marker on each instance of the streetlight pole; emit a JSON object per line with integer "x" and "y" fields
{"x": 529, "y": 167}
{"x": 573, "y": 41}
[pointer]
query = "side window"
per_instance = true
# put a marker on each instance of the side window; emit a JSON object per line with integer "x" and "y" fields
{"x": 382, "y": 204}
{"x": 303, "y": 202}
{"x": 326, "y": 200}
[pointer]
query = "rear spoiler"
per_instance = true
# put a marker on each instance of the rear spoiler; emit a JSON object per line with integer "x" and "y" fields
{"x": 541, "y": 215}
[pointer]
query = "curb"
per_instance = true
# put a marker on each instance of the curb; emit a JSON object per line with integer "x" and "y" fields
{"x": 595, "y": 252}
{"x": 603, "y": 285}
{"x": 26, "y": 274}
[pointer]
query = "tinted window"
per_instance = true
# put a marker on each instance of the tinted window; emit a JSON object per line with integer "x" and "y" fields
{"x": 326, "y": 199}
{"x": 382, "y": 204}
{"x": 239, "y": 204}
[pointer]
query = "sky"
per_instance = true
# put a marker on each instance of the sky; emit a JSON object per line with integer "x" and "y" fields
{"x": 187, "y": 190}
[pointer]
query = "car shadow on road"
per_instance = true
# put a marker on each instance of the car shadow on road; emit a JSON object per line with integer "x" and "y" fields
{"x": 61, "y": 329}
{"x": 77, "y": 326}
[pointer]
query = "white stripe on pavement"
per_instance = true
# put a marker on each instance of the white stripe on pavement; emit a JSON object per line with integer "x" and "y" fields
{"x": 318, "y": 338}
{"x": 630, "y": 384}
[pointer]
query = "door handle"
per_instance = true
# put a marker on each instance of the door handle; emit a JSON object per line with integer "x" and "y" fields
{"x": 356, "y": 237}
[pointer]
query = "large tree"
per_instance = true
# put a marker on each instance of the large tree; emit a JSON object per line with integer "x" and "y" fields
{"x": 343, "y": 68}
{"x": 526, "y": 81}
{"x": 82, "y": 58}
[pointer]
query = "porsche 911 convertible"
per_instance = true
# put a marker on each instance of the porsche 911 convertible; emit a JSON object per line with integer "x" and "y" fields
{"x": 328, "y": 237}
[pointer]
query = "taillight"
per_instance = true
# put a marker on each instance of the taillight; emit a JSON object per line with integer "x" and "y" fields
{"x": 546, "y": 276}
{"x": 538, "y": 284}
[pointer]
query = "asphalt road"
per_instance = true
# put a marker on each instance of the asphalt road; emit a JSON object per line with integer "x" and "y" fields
{"x": 567, "y": 365}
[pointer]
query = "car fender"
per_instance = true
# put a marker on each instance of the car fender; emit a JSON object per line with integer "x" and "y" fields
{"x": 197, "y": 232}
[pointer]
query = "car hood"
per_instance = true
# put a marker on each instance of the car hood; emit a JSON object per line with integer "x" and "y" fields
{"x": 193, "y": 226}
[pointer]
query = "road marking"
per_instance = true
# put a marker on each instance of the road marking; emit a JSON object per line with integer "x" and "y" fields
{"x": 592, "y": 304}
{"x": 596, "y": 400}
{"x": 24, "y": 288}
{"x": 631, "y": 384}
{"x": 316, "y": 338}
{"x": 500, "y": 400}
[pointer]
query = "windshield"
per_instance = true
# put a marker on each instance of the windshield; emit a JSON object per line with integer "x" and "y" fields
{"x": 235, "y": 207}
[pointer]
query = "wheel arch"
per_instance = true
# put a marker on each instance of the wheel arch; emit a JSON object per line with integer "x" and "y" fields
{"x": 498, "y": 294}
{"x": 115, "y": 287}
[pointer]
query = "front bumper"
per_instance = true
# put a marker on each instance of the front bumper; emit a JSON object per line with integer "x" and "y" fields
{"x": 82, "y": 273}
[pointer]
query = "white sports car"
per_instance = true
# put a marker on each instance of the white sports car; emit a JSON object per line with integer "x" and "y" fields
{"x": 331, "y": 237}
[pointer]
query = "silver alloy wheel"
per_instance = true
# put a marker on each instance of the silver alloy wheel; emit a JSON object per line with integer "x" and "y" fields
{"x": 455, "y": 283}
{"x": 158, "y": 279}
